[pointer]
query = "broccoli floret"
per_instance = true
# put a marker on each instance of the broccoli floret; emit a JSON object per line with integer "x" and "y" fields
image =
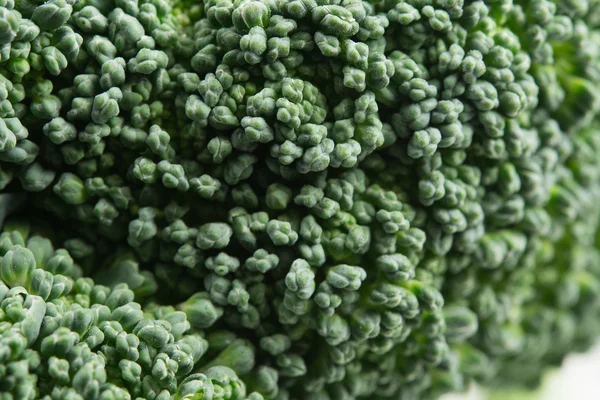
{"x": 67, "y": 337}
{"x": 356, "y": 199}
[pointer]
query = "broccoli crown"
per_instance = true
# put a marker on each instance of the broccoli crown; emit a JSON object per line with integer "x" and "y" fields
{"x": 336, "y": 199}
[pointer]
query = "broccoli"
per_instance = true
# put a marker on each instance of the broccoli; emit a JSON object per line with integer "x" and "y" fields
{"x": 65, "y": 337}
{"x": 332, "y": 199}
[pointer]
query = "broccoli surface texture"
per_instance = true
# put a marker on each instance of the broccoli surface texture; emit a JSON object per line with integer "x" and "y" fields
{"x": 295, "y": 199}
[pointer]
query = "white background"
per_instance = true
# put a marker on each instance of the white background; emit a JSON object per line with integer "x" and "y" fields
{"x": 577, "y": 379}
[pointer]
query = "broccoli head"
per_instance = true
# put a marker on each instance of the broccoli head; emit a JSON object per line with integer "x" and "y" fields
{"x": 296, "y": 199}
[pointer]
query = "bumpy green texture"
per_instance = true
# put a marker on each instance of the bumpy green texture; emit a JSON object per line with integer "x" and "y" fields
{"x": 64, "y": 338}
{"x": 347, "y": 199}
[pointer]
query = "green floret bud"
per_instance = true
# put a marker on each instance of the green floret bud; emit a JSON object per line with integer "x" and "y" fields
{"x": 291, "y": 365}
{"x": 200, "y": 311}
{"x": 197, "y": 110}
{"x": 59, "y": 131}
{"x": 145, "y": 170}
{"x": 281, "y": 233}
{"x": 210, "y": 89}
{"x": 239, "y": 168}
{"x": 158, "y": 140}
{"x": 71, "y": 189}
{"x": 16, "y": 266}
{"x": 90, "y": 20}
{"x": 213, "y": 235}
{"x": 261, "y": 261}
{"x": 244, "y": 196}
{"x": 397, "y": 266}
{"x": 205, "y": 186}
{"x": 329, "y": 45}
{"x": 19, "y": 67}
{"x": 35, "y": 178}
{"x": 195, "y": 385}
{"x": 254, "y": 44}
{"x": 23, "y": 153}
{"x": 276, "y": 344}
{"x": 52, "y": 15}
{"x": 173, "y": 176}
{"x": 256, "y": 130}
{"x": 335, "y": 20}
{"x": 346, "y": 277}
{"x": 335, "y": 329}
{"x": 461, "y": 323}
{"x": 147, "y": 61}
{"x": 46, "y": 107}
{"x": 249, "y": 14}
{"x": 222, "y": 264}
{"x": 113, "y": 73}
{"x": 11, "y": 131}
{"x": 222, "y": 118}
{"x": 278, "y": 196}
{"x": 143, "y": 228}
{"x": 10, "y": 25}
{"x": 238, "y": 357}
{"x": 68, "y": 42}
{"x": 287, "y": 152}
{"x": 101, "y": 49}
{"x": 300, "y": 279}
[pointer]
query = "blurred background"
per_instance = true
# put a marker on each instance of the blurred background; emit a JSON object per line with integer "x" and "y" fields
{"x": 577, "y": 379}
